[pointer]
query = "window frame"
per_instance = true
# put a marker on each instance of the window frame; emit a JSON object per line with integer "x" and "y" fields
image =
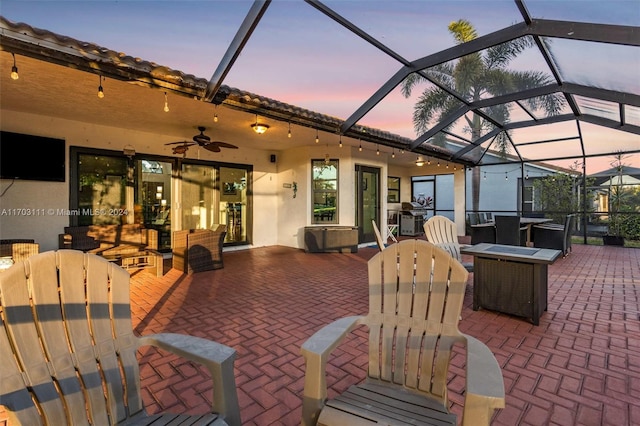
{"x": 331, "y": 215}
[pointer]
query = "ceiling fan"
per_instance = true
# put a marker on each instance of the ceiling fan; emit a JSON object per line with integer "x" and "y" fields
{"x": 200, "y": 140}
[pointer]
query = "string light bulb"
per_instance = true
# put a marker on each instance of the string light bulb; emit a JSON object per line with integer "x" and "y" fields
{"x": 100, "y": 89}
{"x": 485, "y": 176}
{"x": 289, "y": 133}
{"x": 166, "y": 103}
{"x": 393, "y": 153}
{"x": 340, "y": 144}
{"x": 14, "y": 69}
{"x": 377, "y": 150}
{"x": 215, "y": 115}
{"x": 360, "y": 147}
{"x": 317, "y": 137}
{"x": 506, "y": 176}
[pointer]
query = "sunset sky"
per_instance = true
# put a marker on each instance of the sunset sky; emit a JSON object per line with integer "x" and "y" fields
{"x": 299, "y": 56}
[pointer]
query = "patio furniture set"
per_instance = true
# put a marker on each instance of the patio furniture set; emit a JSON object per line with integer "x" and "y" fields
{"x": 80, "y": 363}
{"x": 134, "y": 247}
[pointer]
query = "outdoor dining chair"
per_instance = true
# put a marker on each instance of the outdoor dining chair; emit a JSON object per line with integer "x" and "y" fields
{"x": 554, "y": 236}
{"x": 509, "y": 231}
{"x": 416, "y": 291}
{"x": 68, "y": 349}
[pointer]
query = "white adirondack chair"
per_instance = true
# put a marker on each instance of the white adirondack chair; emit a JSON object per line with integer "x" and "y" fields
{"x": 442, "y": 232}
{"x": 69, "y": 353}
{"x": 416, "y": 291}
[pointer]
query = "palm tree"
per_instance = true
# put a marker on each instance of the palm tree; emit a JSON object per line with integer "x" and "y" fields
{"x": 476, "y": 76}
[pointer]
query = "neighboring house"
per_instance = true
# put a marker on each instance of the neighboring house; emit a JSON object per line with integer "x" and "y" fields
{"x": 629, "y": 178}
{"x": 504, "y": 188}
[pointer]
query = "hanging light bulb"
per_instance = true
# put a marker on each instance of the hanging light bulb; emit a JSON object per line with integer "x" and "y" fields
{"x": 447, "y": 165}
{"x": 100, "y": 90}
{"x": 317, "y": 137}
{"x": 166, "y": 103}
{"x": 14, "y": 69}
{"x": 428, "y": 161}
{"x": 506, "y": 176}
{"x": 377, "y": 150}
{"x": 360, "y": 146}
{"x": 438, "y": 163}
{"x": 485, "y": 176}
{"x": 393, "y": 153}
{"x": 289, "y": 134}
{"x": 340, "y": 141}
{"x": 215, "y": 115}
{"x": 455, "y": 167}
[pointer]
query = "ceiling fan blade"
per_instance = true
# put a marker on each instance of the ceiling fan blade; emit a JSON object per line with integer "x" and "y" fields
{"x": 201, "y": 139}
{"x": 224, "y": 144}
{"x": 211, "y": 147}
{"x": 186, "y": 143}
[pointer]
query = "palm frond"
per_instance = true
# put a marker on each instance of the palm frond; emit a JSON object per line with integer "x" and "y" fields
{"x": 501, "y": 55}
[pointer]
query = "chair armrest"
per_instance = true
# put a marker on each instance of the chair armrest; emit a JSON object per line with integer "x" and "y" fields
{"x": 316, "y": 351}
{"x": 485, "y": 385}
{"x": 216, "y": 357}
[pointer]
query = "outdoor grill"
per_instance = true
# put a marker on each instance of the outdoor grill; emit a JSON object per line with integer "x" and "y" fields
{"x": 412, "y": 218}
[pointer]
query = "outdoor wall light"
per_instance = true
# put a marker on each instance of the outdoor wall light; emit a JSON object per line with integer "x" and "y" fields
{"x": 14, "y": 69}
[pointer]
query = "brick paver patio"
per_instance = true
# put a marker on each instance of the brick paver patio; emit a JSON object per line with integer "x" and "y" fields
{"x": 580, "y": 366}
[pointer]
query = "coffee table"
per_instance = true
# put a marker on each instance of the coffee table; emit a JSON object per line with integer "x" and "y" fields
{"x": 511, "y": 279}
{"x": 147, "y": 259}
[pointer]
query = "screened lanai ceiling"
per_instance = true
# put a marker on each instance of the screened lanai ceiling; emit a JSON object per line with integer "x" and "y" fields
{"x": 530, "y": 81}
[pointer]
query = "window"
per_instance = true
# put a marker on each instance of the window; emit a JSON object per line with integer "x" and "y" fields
{"x": 393, "y": 189}
{"x": 325, "y": 191}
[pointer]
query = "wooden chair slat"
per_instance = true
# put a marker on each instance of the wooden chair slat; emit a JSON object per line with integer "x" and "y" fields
{"x": 46, "y": 302}
{"x": 74, "y": 307}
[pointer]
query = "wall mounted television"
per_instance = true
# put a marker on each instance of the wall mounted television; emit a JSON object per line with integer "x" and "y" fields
{"x": 28, "y": 157}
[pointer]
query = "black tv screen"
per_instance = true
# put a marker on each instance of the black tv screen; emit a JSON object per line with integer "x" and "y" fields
{"x": 31, "y": 157}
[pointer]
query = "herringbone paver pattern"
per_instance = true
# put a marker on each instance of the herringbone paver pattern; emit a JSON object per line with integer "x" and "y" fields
{"x": 580, "y": 366}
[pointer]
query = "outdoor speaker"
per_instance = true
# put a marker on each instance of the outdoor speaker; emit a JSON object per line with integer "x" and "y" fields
{"x": 273, "y": 158}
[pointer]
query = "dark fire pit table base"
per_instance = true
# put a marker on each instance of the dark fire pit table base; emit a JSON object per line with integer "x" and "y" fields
{"x": 511, "y": 279}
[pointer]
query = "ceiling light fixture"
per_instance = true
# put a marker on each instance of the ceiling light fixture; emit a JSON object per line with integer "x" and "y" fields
{"x": 259, "y": 128}
{"x": 14, "y": 69}
{"x": 100, "y": 90}
{"x": 419, "y": 162}
{"x": 166, "y": 103}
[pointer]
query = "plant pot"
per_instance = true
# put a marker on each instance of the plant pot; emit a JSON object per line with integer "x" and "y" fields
{"x": 612, "y": 240}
